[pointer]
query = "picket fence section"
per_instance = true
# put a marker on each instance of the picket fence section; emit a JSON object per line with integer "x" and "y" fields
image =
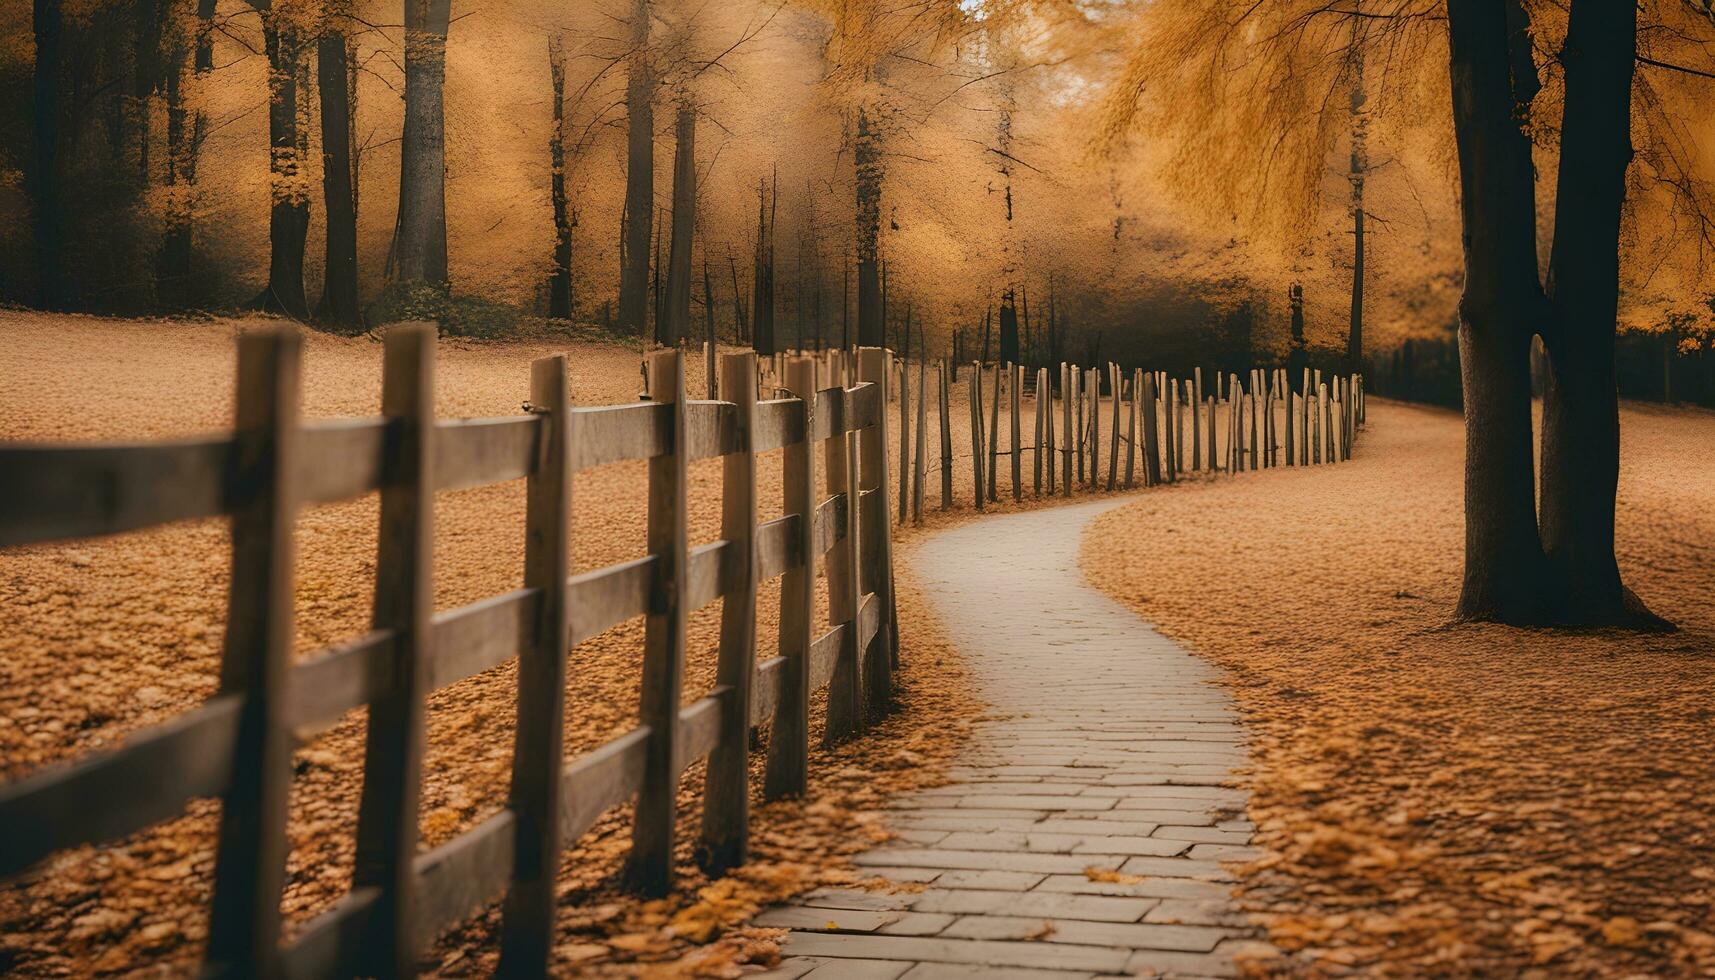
{"x": 238, "y": 744}
{"x": 1160, "y": 428}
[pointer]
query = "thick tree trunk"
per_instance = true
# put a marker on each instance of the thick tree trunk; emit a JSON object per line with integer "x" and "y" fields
{"x": 867, "y": 157}
{"x": 1504, "y": 565}
{"x": 639, "y": 175}
{"x": 338, "y": 304}
{"x": 49, "y": 27}
{"x": 420, "y": 251}
{"x": 678, "y": 319}
{"x": 289, "y": 217}
{"x": 560, "y": 283}
{"x": 1580, "y": 418}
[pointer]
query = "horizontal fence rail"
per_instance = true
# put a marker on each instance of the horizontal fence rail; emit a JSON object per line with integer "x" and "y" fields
{"x": 237, "y": 745}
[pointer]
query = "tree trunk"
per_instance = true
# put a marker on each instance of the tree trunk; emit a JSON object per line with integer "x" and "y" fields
{"x": 1580, "y": 416}
{"x": 762, "y": 303}
{"x": 1296, "y": 358}
{"x": 185, "y": 129}
{"x": 738, "y": 318}
{"x": 289, "y": 217}
{"x": 560, "y": 282}
{"x": 1008, "y": 329}
{"x": 1504, "y": 566}
{"x": 1359, "y": 169}
{"x": 867, "y": 157}
{"x": 49, "y": 27}
{"x": 639, "y": 175}
{"x": 678, "y": 319}
{"x": 421, "y": 246}
{"x": 338, "y": 304}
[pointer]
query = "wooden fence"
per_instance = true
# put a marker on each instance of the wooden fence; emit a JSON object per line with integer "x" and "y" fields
{"x": 1159, "y": 428}
{"x": 238, "y": 744}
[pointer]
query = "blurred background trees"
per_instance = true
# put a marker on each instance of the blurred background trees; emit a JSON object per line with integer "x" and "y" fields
{"x": 1184, "y": 183}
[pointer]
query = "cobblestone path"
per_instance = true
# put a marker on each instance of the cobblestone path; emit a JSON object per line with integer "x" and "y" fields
{"x": 1109, "y": 750}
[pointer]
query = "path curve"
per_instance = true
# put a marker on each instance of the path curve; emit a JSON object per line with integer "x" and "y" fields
{"x": 1108, "y": 747}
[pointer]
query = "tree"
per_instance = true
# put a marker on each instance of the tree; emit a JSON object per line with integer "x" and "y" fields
{"x": 48, "y": 24}
{"x": 335, "y": 69}
{"x": 1244, "y": 147}
{"x": 762, "y": 302}
{"x": 420, "y": 238}
{"x": 675, "y": 326}
{"x": 190, "y": 50}
{"x": 639, "y": 174}
{"x": 868, "y": 174}
{"x": 283, "y": 36}
{"x": 560, "y": 281}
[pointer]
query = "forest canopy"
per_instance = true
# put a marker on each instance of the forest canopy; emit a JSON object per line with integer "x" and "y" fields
{"x": 1117, "y": 177}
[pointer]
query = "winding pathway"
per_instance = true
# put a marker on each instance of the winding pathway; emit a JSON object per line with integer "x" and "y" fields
{"x": 1108, "y": 750}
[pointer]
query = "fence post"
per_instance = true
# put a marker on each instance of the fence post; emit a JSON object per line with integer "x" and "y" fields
{"x": 250, "y": 865}
{"x": 1095, "y": 402}
{"x": 904, "y": 439}
{"x": 1169, "y": 425}
{"x": 387, "y": 830}
{"x": 528, "y": 922}
{"x": 1291, "y": 447}
{"x": 726, "y": 791}
{"x": 1194, "y": 386}
{"x": 1235, "y": 428}
{"x": 1077, "y": 395}
{"x": 994, "y": 436}
{"x": 845, "y": 586}
{"x": 1043, "y": 391}
{"x": 1067, "y": 395}
{"x": 1151, "y": 431}
{"x": 946, "y": 443}
{"x": 1118, "y": 393}
{"x": 788, "y": 771}
{"x": 922, "y": 437}
{"x": 975, "y": 391}
{"x": 1131, "y": 429}
{"x": 650, "y": 868}
{"x": 1015, "y": 382}
{"x": 877, "y": 555}
{"x": 1214, "y": 441}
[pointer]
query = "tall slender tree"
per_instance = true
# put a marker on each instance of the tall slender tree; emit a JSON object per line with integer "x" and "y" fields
{"x": 560, "y": 281}
{"x": 335, "y": 71}
{"x": 676, "y": 324}
{"x": 48, "y": 24}
{"x": 639, "y": 174}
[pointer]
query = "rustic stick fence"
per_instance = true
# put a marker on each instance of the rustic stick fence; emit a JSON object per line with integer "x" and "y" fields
{"x": 1256, "y": 421}
{"x": 238, "y": 744}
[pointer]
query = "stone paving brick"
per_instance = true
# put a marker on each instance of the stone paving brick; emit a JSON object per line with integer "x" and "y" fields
{"x": 1096, "y": 959}
{"x": 1201, "y": 835}
{"x": 1131, "y": 935}
{"x": 961, "y": 971}
{"x": 1111, "y": 748}
{"x": 1047, "y": 864}
{"x": 1040, "y": 904}
{"x": 1016, "y": 881}
{"x": 1147, "y": 888}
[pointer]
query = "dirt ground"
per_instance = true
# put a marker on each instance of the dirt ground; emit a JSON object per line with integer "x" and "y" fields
{"x": 1451, "y": 800}
{"x": 106, "y": 636}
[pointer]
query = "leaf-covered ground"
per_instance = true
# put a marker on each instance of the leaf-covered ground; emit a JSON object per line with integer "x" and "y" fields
{"x": 1450, "y": 800}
